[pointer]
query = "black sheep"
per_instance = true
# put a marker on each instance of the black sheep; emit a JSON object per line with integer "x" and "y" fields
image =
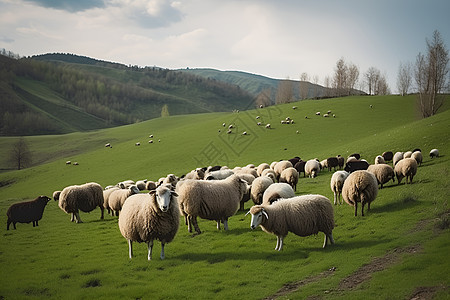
{"x": 300, "y": 167}
{"x": 332, "y": 162}
{"x": 352, "y": 166}
{"x": 387, "y": 155}
{"x": 26, "y": 212}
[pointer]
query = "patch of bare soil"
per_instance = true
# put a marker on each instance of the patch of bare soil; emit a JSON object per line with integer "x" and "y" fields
{"x": 426, "y": 292}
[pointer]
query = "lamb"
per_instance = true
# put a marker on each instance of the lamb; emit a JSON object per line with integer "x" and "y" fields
{"x": 332, "y": 162}
{"x": 26, "y": 212}
{"x": 259, "y": 185}
{"x": 106, "y": 194}
{"x": 397, "y": 157}
{"x": 382, "y": 172}
{"x": 302, "y": 215}
{"x": 360, "y": 186}
{"x": 277, "y": 191}
{"x": 85, "y": 197}
{"x": 118, "y": 197}
{"x": 218, "y": 175}
{"x": 417, "y": 155}
{"x": 149, "y": 217}
{"x": 210, "y": 199}
{"x": 406, "y": 167}
{"x": 387, "y": 155}
{"x": 280, "y": 167}
{"x": 290, "y": 176}
{"x": 337, "y": 182}
{"x": 312, "y": 168}
{"x": 261, "y": 168}
{"x": 434, "y": 153}
{"x": 356, "y": 165}
{"x": 379, "y": 160}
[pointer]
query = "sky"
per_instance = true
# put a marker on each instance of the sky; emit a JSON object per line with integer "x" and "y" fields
{"x": 274, "y": 38}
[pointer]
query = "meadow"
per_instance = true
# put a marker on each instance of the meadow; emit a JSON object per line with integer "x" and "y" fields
{"x": 397, "y": 251}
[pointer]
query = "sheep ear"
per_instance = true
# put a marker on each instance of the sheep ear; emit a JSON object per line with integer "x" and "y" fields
{"x": 264, "y": 213}
{"x": 152, "y": 192}
{"x": 174, "y": 194}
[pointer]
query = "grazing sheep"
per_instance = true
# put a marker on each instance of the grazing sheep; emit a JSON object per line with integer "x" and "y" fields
{"x": 356, "y": 165}
{"x": 406, "y": 167}
{"x": 290, "y": 176}
{"x": 68, "y": 162}
{"x": 149, "y": 217}
{"x": 150, "y": 185}
{"x": 407, "y": 154}
{"x": 268, "y": 126}
{"x": 106, "y": 194}
{"x": 170, "y": 179}
{"x": 351, "y": 158}
{"x": 332, "y": 162}
{"x": 26, "y": 212}
{"x": 137, "y": 144}
{"x": 218, "y": 175}
{"x": 388, "y": 156}
{"x": 276, "y": 191}
{"x": 355, "y": 155}
{"x": 312, "y": 168}
{"x": 117, "y": 198}
{"x": 300, "y": 167}
{"x": 261, "y": 168}
{"x": 434, "y": 153}
{"x": 125, "y": 184}
{"x": 318, "y": 113}
{"x": 108, "y": 145}
{"x": 210, "y": 199}
{"x": 85, "y": 197}
{"x": 337, "y": 182}
{"x": 341, "y": 161}
{"x": 294, "y": 160}
{"x": 280, "y": 167}
{"x": 397, "y": 157}
{"x": 302, "y": 215}
{"x": 259, "y": 185}
{"x": 379, "y": 160}
{"x": 56, "y": 195}
{"x": 360, "y": 186}
{"x": 323, "y": 164}
{"x": 269, "y": 173}
{"x": 326, "y": 115}
{"x": 417, "y": 155}
{"x": 382, "y": 172}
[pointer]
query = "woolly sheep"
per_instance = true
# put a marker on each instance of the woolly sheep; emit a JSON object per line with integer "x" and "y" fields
{"x": 323, "y": 164}
{"x": 269, "y": 173}
{"x": 356, "y": 165}
{"x": 379, "y": 160}
{"x": 332, "y": 162}
{"x": 294, "y": 160}
{"x": 141, "y": 184}
{"x": 290, "y": 176}
{"x": 277, "y": 191}
{"x": 170, "y": 179}
{"x": 26, "y": 212}
{"x": 382, "y": 172}
{"x": 360, "y": 186}
{"x": 249, "y": 179}
{"x": 195, "y": 174}
{"x": 218, "y": 175}
{"x": 259, "y": 185}
{"x": 125, "y": 184}
{"x": 210, "y": 199}
{"x": 85, "y": 197}
{"x": 118, "y": 197}
{"x": 300, "y": 167}
{"x": 280, "y": 167}
{"x": 417, "y": 155}
{"x": 355, "y": 155}
{"x": 247, "y": 170}
{"x": 261, "y": 168}
{"x": 106, "y": 194}
{"x": 337, "y": 182}
{"x": 302, "y": 215}
{"x": 273, "y": 164}
{"x": 312, "y": 168}
{"x": 407, "y": 154}
{"x": 149, "y": 217}
{"x": 150, "y": 185}
{"x": 397, "y": 157}
{"x": 341, "y": 161}
{"x": 434, "y": 153}
{"x": 406, "y": 167}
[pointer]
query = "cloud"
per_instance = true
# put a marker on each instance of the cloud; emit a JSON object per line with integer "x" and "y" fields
{"x": 70, "y": 5}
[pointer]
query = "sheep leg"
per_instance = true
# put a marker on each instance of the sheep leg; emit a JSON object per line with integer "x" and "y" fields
{"x": 103, "y": 212}
{"x": 225, "y": 224}
{"x": 356, "y": 208}
{"x": 77, "y": 217}
{"x": 72, "y": 217}
{"x": 279, "y": 246}
{"x": 189, "y": 223}
{"x": 362, "y": 208}
{"x": 335, "y": 202}
{"x": 150, "y": 249}
{"x": 130, "y": 249}
{"x": 194, "y": 222}
{"x": 218, "y": 224}
{"x": 162, "y": 250}
{"x": 328, "y": 237}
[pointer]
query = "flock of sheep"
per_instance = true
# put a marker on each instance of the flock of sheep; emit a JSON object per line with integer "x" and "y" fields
{"x": 217, "y": 193}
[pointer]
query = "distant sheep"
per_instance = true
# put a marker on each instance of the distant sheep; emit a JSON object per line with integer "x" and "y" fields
{"x": 259, "y": 185}
{"x": 312, "y": 168}
{"x": 118, "y": 197}
{"x": 302, "y": 215}
{"x": 417, "y": 155}
{"x": 277, "y": 191}
{"x": 355, "y": 155}
{"x": 434, "y": 153}
{"x": 149, "y": 217}
{"x": 337, "y": 182}
{"x": 406, "y": 167}
{"x": 268, "y": 126}
{"x": 290, "y": 176}
{"x": 382, "y": 172}
{"x": 26, "y": 212}
{"x": 125, "y": 184}
{"x": 379, "y": 160}
{"x": 137, "y": 144}
{"x": 360, "y": 186}
{"x": 85, "y": 197}
{"x": 210, "y": 199}
{"x": 397, "y": 157}
{"x": 195, "y": 174}
{"x": 108, "y": 145}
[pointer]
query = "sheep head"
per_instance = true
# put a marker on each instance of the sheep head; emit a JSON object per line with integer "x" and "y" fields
{"x": 257, "y": 213}
{"x": 163, "y": 196}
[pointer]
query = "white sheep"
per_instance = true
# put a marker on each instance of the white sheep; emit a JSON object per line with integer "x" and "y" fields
{"x": 383, "y": 173}
{"x": 198, "y": 174}
{"x": 118, "y": 197}
{"x": 280, "y": 167}
{"x": 125, "y": 184}
{"x": 406, "y": 167}
{"x": 268, "y": 126}
{"x": 290, "y": 176}
{"x": 434, "y": 153}
{"x": 210, "y": 199}
{"x": 259, "y": 185}
{"x": 218, "y": 175}
{"x": 261, "y": 168}
{"x": 302, "y": 215}
{"x": 246, "y": 170}
{"x": 407, "y": 154}
{"x": 85, "y": 197}
{"x": 336, "y": 183}
{"x": 417, "y": 155}
{"x": 312, "y": 168}
{"x": 269, "y": 173}
{"x": 397, "y": 157}
{"x": 379, "y": 160}
{"x": 106, "y": 194}
{"x": 360, "y": 186}
{"x": 149, "y": 217}
{"x": 277, "y": 191}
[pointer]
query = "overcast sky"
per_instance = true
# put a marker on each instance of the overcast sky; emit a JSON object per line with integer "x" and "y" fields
{"x": 274, "y": 38}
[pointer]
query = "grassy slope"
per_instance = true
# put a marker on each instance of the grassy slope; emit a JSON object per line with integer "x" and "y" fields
{"x": 90, "y": 259}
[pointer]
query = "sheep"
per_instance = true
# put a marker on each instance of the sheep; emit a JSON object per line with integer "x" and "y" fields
{"x": 332, "y": 162}
{"x": 261, "y": 168}
{"x": 355, "y": 155}
{"x": 407, "y": 154}
{"x": 170, "y": 179}
{"x": 56, "y": 195}
{"x": 218, "y": 175}
{"x": 300, "y": 167}
{"x": 68, "y": 162}
{"x": 276, "y": 191}
{"x": 323, "y": 164}
{"x": 141, "y": 184}
{"x": 337, "y": 182}
{"x": 397, "y": 157}
{"x": 268, "y": 126}
{"x": 290, "y": 176}
{"x": 125, "y": 184}
{"x": 108, "y": 145}
{"x": 149, "y": 217}
{"x": 150, "y": 185}
{"x": 382, "y": 172}
{"x": 85, "y": 197}
{"x": 341, "y": 161}
{"x": 106, "y": 194}
{"x": 137, "y": 144}
{"x": 269, "y": 173}
{"x": 294, "y": 160}
{"x": 318, "y": 113}
{"x": 360, "y": 186}
{"x": 302, "y": 215}
{"x": 351, "y": 158}
{"x": 406, "y": 167}
{"x": 210, "y": 199}
{"x": 26, "y": 212}
{"x": 117, "y": 198}
{"x": 195, "y": 174}
{"x": 280, "y": 167}
{"x": 249, "y": 179}
{"x": 379, "y": 160}
{"x": 259, "y": 185}
{"x": 356, "y": 165}
{"x": 312, "y": 168}
{"x": 246, "y": 170}
{"x": 387, "y": 155}
{"x": 326, "y": 115}
{"x": 434, "y": 153}
{"x": 417, "y": 155}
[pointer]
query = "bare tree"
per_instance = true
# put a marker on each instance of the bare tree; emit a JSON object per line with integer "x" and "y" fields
{"x": 285, "y": 92}
{"x": 316, "y": 86}
{"x": 340, "y": 77}
{"x": 404, "y": 78}
{"x": 352, "y": 77}
{"x": 304, "y": 85}
{"x": 431, "y": 75}
{"x": 382, "y": 87}
{"x": 264, "y": 98}
{"x": 20, "y": 155}
{"x": 372, "y": 76}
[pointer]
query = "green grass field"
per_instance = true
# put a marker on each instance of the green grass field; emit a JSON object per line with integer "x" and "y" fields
{"x": 397, "y": 251}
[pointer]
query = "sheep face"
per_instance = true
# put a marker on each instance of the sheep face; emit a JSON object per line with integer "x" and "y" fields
{"x": 163, "y": 197}
{"x": 258, "y": 214}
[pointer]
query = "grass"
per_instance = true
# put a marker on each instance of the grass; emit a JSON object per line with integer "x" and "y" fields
{"x": 60, "y": 259}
